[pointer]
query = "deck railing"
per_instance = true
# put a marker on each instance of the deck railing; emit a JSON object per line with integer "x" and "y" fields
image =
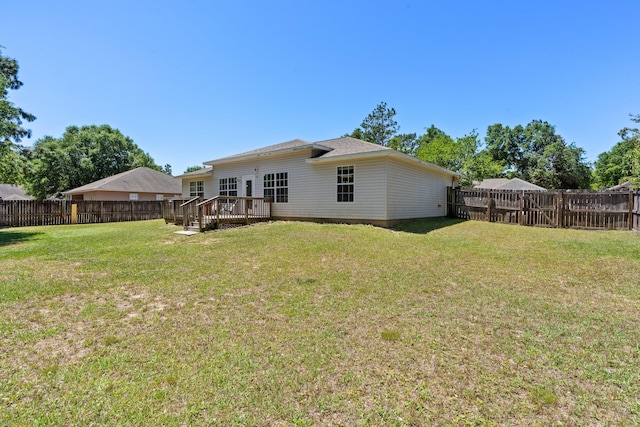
{"x": 232, "y": 210}
{"x": 172, "y": 209}
{"x": 190, "y": 211}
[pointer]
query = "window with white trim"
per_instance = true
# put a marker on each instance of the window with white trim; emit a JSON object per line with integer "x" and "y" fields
{"x": 345, "y": 184}
{"x": 276, "y": 186}
{"x": 196, "y": 189}
{"x": 228, "y": 186}
{"x": 133, "y": 196}
{"x": 159, "y": 197}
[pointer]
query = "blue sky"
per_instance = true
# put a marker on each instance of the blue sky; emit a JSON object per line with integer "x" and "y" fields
{"x": 192, "y": 81}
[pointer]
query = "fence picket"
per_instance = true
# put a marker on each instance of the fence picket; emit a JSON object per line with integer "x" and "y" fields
{"x": 21, "y": 213}
{"x": 563, "y": 208}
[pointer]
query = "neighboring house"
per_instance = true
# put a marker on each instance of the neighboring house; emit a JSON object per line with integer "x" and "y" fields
{"x": 625, "y": 186}
{"x": 338, "y": 180}
{"x": 13, "y": 192}
{"x": 136, "y": 184}
{"x": 508, "y": 184}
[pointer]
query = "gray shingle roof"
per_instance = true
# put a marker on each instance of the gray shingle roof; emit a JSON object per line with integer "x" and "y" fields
{"x": 283, "y": 146}
{"x": 139, "y": 180}
{"x": 13, "y": 192}
{"x": 508, "y": 184}
{"x": 331, "y": 148}
{"x": 346, "y": 146}
{"x": 199, "y": 172}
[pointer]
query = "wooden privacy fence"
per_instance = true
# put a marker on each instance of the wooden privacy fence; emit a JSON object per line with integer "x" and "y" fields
{"x": 21, "y": 213}
{"x": 560, "y": 209}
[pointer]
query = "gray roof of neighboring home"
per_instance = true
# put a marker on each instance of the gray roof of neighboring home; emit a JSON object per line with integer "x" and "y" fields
{"x": 331, "y": 148}
{"x": 13, "y": 192}
{"x": 508, "y": 184}
{"x": 625, "y": 186}
{"x": 139, "y": 180}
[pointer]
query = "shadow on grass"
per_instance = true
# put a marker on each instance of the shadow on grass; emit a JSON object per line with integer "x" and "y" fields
{"x": 12, "y": 237}
{"x": 424, "y": 226}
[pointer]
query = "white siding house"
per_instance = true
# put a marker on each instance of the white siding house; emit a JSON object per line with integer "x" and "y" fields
{"x": 343, "y": 179}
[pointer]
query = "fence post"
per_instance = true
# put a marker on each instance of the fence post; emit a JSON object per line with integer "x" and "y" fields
{"x": 631, "y": 209}
{"x": 489, "y": 203}
{"x": 560, "y": 208}
{"x": 521, "y": 216}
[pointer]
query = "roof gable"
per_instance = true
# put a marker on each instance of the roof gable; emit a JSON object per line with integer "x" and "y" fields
{"x": 295, "y": 144}
{"x": 348, "y": 146}
{"x": 330, "y": 149}
{"x": 139, "y": 180}
{"x": 13, "y": 192}
{"x": 508, "y": 184}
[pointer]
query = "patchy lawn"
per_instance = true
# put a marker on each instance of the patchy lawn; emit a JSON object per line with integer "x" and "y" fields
{"x": 437, "y": 323}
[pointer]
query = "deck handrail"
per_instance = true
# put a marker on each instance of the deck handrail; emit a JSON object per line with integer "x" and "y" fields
{"x": 204, "y": 202}
{"x": 190, "y": 201}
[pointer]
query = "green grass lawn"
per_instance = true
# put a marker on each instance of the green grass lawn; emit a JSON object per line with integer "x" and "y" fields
{"x": 435, "y": 323}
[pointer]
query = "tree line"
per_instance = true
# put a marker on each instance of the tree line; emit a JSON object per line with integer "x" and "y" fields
{"x": 534, "y": 152}
{"x": 80, "y": 156}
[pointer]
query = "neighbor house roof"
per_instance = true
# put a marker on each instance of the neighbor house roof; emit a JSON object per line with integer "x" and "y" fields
{"x": 139, "y": 180}
{"x": 328, "y": 150}
{"x": 13, "y": 192}
{"x": 625, "y": 186}
{"x": 508, "y": 184}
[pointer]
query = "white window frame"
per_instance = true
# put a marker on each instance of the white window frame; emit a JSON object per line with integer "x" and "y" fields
{"x": 228, "y": 187}
{"x": 345, "y": 184}
{"x": 196, "y": 188}
{"x": 276, "y": 187}
{"x": 133, "y": 197}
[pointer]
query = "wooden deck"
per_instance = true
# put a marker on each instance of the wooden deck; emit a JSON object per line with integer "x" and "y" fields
{"x": 202, "y": 215}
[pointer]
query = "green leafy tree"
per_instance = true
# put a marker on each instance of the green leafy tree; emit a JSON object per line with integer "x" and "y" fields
{"x": 622, "y": 162}
{"x": 379, "y": 126}
{"x": 463, "y": 154}
{"x": 406, "y": 143}
{"x": 12, "y": 154}
{"x": 83, "y": 155}
{"x": 438, "y": 148}
{"x": 614, "y": 166}
{"x": 536, "y": 153}
{"x": 562, "y": 165}
{"x": 481, "y": 166}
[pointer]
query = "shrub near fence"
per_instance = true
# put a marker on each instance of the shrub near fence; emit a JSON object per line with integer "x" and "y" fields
{"x": 566, "y": 208}
{"x": 21, "y": 213}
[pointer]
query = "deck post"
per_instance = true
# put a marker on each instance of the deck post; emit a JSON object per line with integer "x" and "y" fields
{"x": 489, "y": 202}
